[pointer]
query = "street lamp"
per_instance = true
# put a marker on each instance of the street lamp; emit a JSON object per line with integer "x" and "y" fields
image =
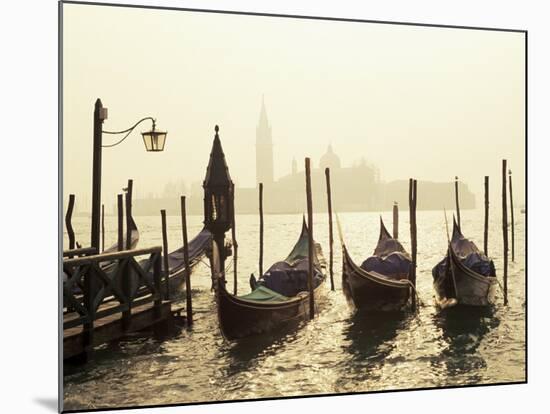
{"x": 154, "y": 141}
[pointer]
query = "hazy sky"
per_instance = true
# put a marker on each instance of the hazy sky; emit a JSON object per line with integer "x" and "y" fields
{"x": 425, "y": 102}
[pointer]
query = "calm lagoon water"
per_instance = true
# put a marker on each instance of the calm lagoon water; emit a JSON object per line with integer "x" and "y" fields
{"x": 339, "y": 351}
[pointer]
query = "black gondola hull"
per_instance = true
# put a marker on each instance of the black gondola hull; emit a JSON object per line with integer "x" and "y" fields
{"x": 241, "y": 318}
{"x": 368, "y": 293}
{"x": 462, "y": 286}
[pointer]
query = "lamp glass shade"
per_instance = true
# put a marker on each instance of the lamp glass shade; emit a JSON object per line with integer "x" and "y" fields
{"x": 154, "y": 140}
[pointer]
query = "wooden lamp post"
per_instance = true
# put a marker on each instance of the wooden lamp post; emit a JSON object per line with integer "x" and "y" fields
{"x": 218, "y": 198}
{"x": 154, "y": 141}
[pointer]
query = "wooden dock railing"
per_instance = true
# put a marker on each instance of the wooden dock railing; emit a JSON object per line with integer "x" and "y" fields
{"x": 83, "y": 251}
{"x": 97, "y": 286}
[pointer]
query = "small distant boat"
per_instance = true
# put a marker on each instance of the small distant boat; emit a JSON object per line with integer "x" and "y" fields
{"x": 465, "y": 276}
{"x": 382, "y": 282}
{"x": 278, "y": 299}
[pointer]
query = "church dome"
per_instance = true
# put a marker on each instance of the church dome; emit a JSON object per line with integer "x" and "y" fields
{"x": 330, "y": 160}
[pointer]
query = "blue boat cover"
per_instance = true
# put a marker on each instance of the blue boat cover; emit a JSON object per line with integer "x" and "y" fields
{"x": 468, "y": 254}
{"x": 389, "y": 258}
{"x": 288, "y": 280}
{"x": 395, "y": 265}
{"x": 289, "y": 277}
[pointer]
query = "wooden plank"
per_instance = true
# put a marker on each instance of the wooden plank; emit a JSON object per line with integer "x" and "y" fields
{"x": 83, "y": 251}
{"x": 107, "y": 257}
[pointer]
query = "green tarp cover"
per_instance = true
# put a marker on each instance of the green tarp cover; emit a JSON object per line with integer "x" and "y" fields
{"x": 301, "y": 249}
{"x": 263, "y": 294}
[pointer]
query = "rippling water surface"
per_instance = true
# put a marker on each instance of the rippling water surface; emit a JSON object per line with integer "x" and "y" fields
{"x": 339, "y": 351}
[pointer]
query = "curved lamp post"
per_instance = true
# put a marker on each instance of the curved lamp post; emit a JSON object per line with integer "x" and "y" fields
{"x": 154, "y": 141}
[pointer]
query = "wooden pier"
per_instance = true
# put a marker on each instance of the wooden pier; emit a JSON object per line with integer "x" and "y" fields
{"x": 107, "y": 296}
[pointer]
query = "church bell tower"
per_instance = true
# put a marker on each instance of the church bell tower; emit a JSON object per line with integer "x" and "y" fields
{"x": 264, "y": 149}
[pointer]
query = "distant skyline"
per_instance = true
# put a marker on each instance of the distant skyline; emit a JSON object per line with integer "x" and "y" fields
{"x": 415, "y": 101}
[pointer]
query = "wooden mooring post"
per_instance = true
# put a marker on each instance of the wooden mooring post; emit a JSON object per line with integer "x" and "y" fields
{"x": 129, "y": 191}
{"x": 330, "y": 232}
{"x": 512, "y": 224}
{"x": 412, "y": 220}
{"x": 103, "y": 227}
{"x": 188, "y": 301}
{"x": 311, "y": 247}
{"x": 395, "y": 220}
{"x": 261, "y": 207}
{"x": 505, "y": 232}
{"x": 486, "y": 226}
{"x": 234, "y": 240}
{"x": 457, "y": 203}
{"x": 120, "y": 215}
{"x": 68, "y": 222}
{"x": 165, "y": 253}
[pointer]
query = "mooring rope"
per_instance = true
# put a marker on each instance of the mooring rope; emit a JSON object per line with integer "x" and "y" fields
{"x": 420, "y": 302}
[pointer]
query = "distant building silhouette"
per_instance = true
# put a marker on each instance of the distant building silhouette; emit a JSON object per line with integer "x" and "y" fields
{"x": 330, "y": 160}
{"x": 355, "y": 188}
{"x": 264, "y": 149}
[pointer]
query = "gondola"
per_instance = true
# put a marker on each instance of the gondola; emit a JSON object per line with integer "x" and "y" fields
{"x": 197, "y": 248}
{"x": 465, "y": 276}
{"x": 280, "y": 298}
{"x": 176, "y": 264}
{"x": 381, "y": 283}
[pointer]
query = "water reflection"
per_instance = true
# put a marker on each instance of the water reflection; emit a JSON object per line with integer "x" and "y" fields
{"x": 336, "y": 352}
{"x": 369, "y": 340}
{"x": 245, "y": 353}
{"x": 462, "y": 332}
